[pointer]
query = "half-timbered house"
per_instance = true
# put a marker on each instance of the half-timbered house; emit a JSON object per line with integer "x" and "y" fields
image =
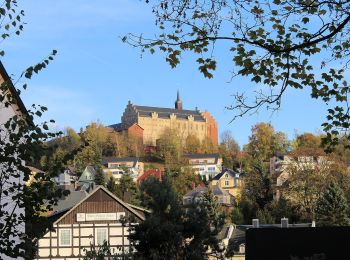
{"x": 99, "y": 217}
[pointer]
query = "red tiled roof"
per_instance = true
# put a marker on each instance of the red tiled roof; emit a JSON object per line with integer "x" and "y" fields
{"x": 152, "y": 172}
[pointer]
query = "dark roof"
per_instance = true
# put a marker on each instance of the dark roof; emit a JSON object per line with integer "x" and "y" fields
{"x": 122, "y": 127}
{"x": 230, "y": 172}
{"x": 198, "y": 191}
{"x": 14, "y": 92}
{"x": 203, "y": 156}
{"x": 137, "y": 213}
{"x": 68, "y": 202}
{"x": 145, "y": 111}
{"x": 117, "y": 127}
{"x": 107, "y": 160}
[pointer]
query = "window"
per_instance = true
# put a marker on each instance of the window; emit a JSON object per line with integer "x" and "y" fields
{"x": 226, "y": 183}
{"x": 65, "y": 237}
{"x": 101, "y": 235}
{"x": 211, "y": 169}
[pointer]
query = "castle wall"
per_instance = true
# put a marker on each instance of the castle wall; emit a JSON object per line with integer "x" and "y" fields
{"x": 154, "y": 127}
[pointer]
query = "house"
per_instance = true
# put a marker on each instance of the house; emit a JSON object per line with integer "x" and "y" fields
{"x": 116, "y": 167}
{"x": 206, "y": 165}
{"x": 11, "y": 105}
{"x": 87, "y": 177}
{"x": 67, "y": 179}
{"x": 194, "y": 196}
{"x": 282, "y": 165}
{"x": 33, "y": 172}
{"x": 229, "y": 181}
{"x": 156, "y": 173}
{"x": 98, "y": 217}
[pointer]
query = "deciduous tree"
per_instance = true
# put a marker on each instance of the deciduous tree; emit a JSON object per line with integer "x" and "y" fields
{"x": 276, "y": 44}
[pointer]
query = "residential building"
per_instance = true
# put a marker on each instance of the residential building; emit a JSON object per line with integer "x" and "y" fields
{"x": 224, "y": 198}
{"x": 153, "y": 121}
{"x": 206, "y": 165}
{"x": 229, "y": 181}
{"x": 282, "y": 165}
{"x": 97, "y": 218}
{"x": 33, "y": 172}
{"x": 117, "y": 167}
{"x": 87, "y": 177}
{"x": 156, "y": 173}
{"x": 67, "y": 179}
{"x": 10, "y": 105}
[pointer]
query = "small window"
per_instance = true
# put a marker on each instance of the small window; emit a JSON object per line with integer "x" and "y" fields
{"x": 101, "y": 235}
{"x": 65, "y": 237}
{"x": 226, "y": 175}
{"x": 226, "y": 183}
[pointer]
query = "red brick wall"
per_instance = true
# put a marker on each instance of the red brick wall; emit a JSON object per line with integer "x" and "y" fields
{"x": 136, "y": 131}
{"x": 212, "y": 127}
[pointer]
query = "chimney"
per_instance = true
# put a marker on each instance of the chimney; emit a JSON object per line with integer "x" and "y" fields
{"x": 284, "y": 222}
{"x": 255, "y": 223}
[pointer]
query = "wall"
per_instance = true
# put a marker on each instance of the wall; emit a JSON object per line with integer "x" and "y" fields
{"x": 5, "y": 114}
{"x": 83, "y": 232}
{"x": 282, "y": 243}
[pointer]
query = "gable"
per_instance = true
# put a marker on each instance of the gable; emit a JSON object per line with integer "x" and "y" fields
{"x": 100, "y": 201}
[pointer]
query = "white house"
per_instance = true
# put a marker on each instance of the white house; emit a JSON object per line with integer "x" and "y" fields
{"x": 10, "y": 105}
{"x": 206, "y": 165}
{"x": 117, "y": 167}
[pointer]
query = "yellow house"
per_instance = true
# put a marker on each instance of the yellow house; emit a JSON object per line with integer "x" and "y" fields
{"x": 228, "y": 180}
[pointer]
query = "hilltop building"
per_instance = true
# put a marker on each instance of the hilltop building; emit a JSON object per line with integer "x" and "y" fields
{"x": 151, "y": 122}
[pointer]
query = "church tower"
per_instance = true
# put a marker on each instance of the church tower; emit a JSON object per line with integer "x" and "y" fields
{"x": 178, "y": 102}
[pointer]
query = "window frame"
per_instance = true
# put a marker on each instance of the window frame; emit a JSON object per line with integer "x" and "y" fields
{"x": 70, "y": 236}
{"x": 107, "y": 235}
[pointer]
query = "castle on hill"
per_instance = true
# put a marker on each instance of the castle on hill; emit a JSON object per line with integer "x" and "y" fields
{"x": 149, "y": 123}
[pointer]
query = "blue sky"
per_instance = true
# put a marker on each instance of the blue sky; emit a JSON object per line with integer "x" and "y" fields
{"x": 95, "y": 74}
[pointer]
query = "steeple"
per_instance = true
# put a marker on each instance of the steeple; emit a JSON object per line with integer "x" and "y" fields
{"x": 178, "y": 102}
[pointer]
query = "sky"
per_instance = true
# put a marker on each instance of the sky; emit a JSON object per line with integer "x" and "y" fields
{"x": 95, "y": 74}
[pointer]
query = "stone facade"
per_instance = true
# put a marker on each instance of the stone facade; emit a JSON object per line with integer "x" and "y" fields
{"x": 154, "y": 121}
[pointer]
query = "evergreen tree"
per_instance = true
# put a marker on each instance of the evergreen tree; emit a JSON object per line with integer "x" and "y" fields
{"x": 100, "y": 177}
{"x": 111, "y": 186}
{"x": 160, "y": 235}
{"x": 127, "y": 188}
{"x": 203, "y": 222}
{"x": 332, "y": 208}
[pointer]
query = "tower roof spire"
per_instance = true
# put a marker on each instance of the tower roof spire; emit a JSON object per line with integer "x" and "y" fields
{"x": 178, "y": 102}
